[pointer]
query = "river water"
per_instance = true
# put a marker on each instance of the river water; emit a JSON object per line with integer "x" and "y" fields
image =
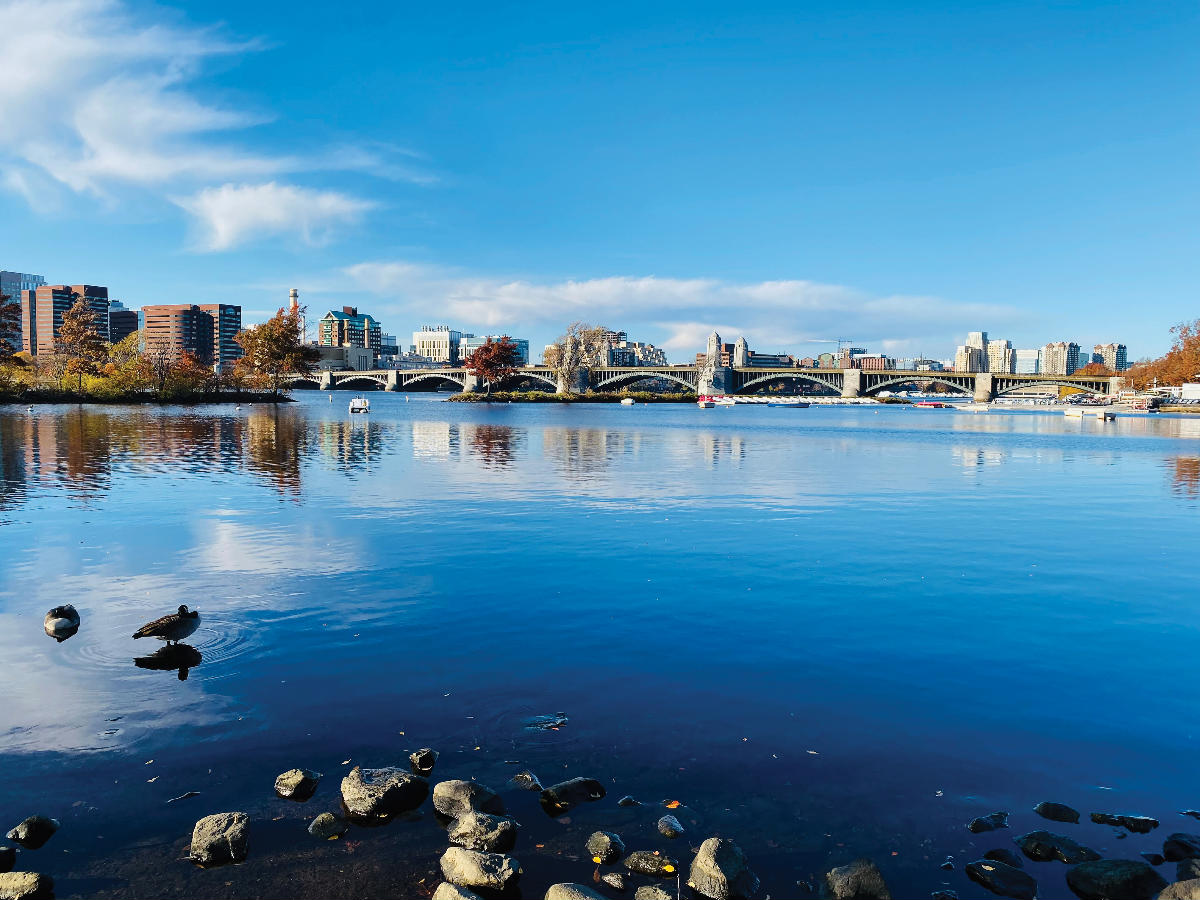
{"x": 828, "y": 633}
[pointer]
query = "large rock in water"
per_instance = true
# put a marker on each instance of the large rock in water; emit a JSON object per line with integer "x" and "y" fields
{"x": 1115, "y": 879}
{"x": 1187, "y": 869}
{"x": 448, "y": 891}
{"x": 670, "y": 827}
{"x": 481, "y": 831}
{"x": 34, "y": 832}
{"x": 652, "y": 892}
{"x": 487, "y": 871}
{"x": 558, "y": 798}
{"x": 380, "y": 793}
{"x": 1176, "y": 847}
{"x": 861, "y": 880}
{"x": 328, "y": 827}
{"x": 1182, "y": 890}
{"x": 453, "y": 798}
{"x": 572, "y": 892}
{"x": 649, "y": 862}
{"x": 719, "y": 872}
{"x": 1043, "y": 846}
{"x": 1136, "y": 824}
{"x": 1057, "y": 812}
{"x": 220, "y": 839}
{"x": 605, "y": 848}
{"x": 297, "y": 784}
{"x": 26, "y": 886}
{"x": 1003, "y": 879}
{"x": 988, "y": 823}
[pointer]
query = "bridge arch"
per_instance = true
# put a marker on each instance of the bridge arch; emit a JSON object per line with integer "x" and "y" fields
{"x": 432, "y": 377}
{"x": 1093, "y": 389}
{"x": 305, "y": 380}
{"x": 786, "y": 376}
{"x": 953, "y": 385}
{"x": 627, "y": 378}
{"x": 374, "y": 379}
{"x": 536, "y": 376}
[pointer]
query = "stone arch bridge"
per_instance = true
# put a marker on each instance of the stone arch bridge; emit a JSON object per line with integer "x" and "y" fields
{"x": 982, "y": 386}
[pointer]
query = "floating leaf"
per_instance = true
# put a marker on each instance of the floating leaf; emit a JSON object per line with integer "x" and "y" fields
{"x": 672, "y": 804}
{"x": 152, "y": 780}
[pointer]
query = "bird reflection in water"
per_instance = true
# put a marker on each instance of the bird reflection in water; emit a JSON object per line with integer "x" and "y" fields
{"x": 171, "y": 658}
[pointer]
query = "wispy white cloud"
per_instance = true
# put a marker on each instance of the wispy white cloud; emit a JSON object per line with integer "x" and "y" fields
{"x": 100, "y": 101}
{"x": 679, "y": 313}
{"x": 236, "y": 213}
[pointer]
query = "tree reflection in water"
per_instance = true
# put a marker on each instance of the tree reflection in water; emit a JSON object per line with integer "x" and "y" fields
{"x": 494, "y": 445}
{"x": 1185, "y": 477}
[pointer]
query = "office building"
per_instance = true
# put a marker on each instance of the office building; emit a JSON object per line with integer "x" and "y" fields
{"x": 177, "y": 329}
{"x": 227, "y": 322}
{"x": 122, "y": 322}
{"x": 348, "y": 328}
{"x": 1027, "y": 362}
{"x": 469, "y": 343}
{"x": 1111, "y": 356}
{"x": 439, "y": 343}
{"x": 42, "y": 311}
{"x": 14, "y": 285}
{"x": 389, "y": 351}
{"x": 999, "y": 356}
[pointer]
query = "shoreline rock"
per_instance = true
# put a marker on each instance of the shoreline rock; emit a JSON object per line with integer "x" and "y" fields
{"x": 1134, "y": 824}
{"x": 1044, "y": 846}
{"x": 483, "y": 831}
{"x": 1176, "y": 847}
{"x": 860, "y": 880}
{"x": 422, "y": 761}
{"x": 566, "y": 795}
{"x": 652, "y": 863}
{"x": 989, "y": 822}
{"x": 455, "y": 797}
{"x": 33, "y": 832}
{"x": 219, "y": 839}
{"x": 297, "y": 784}
{"x": 472, "y": 869}
{"x": 670, "y": 827}
{"x": 1003, "y": 879}
{"x": 572, "y": 891}
{"x": 605, "y": 847}
{"x": 1058, "y": 812}
{"x": 1103, "y": 879}
{"x": 26, "y": 886}
{"x": 382, "y": 793}
{"x": 720, "y": 872}
{"x": 328, "y": 827}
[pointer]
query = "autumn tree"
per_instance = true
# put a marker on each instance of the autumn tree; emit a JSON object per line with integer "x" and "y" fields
{"x": 494, "y": 361}
{"x": 1181, "y": 363}
{"x": 275, "y": 350}
{"x": 1094, "y": 368}
{"x": 581, "y": 346}
{"x": 80, "y": 341}
{"x": 10, "y": 328}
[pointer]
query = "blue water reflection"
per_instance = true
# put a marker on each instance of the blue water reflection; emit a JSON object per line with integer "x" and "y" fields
{"x": 832, "y": 632}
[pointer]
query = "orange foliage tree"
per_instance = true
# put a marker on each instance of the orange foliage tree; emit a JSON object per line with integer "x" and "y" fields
{"x": 1181, "y": 363}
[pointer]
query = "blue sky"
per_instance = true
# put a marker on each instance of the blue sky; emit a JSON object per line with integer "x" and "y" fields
{"x": 893, "y": 174}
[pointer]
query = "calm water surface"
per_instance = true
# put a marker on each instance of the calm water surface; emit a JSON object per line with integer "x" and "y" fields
{"x": 828, "y": 632}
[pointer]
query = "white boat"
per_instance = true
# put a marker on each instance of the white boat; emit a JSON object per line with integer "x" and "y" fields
{"x": 704, "y": 403}
{"x": 627, "y": 401}
{"x": 360, "y": 405}
{"x": 1076, "y": 412}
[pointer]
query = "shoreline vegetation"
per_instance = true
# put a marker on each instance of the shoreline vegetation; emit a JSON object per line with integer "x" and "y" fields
{"x": 51, "y": 396}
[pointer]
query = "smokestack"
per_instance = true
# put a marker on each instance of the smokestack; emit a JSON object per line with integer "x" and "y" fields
{"x": 295, "y": 298}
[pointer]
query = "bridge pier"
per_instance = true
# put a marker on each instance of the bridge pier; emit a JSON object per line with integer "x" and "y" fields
{"x": 393, "y": 380}
{"x": 852, "y": 380}
{"x": 985, "y": 387}
{"x": 715, "y": 381}
{"x": 326, "y": 381}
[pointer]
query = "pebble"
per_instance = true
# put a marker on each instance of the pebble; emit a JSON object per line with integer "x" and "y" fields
{"x": 472, "y": 869}
{"x": 559, "y": 798}
{"x": 572, "y": 892}
{"x": 481, "y": 831}
{"x": 719, "y": 872}
{"x": 652, "y": 892}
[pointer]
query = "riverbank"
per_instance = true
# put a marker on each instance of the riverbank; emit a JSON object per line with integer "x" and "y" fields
{"x": 597, "y": 397}
{"x": 138, "y": 398}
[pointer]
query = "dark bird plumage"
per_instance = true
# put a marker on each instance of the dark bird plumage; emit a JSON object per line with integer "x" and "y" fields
{"x": 174, "y": 627}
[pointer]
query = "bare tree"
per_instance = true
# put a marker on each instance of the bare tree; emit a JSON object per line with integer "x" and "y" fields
{"x": 581, "y": 346}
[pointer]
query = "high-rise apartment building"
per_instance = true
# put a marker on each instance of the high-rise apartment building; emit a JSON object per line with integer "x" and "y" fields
{"x": 1111, "y": 356}
{"x": 1000, "y": 356}
{"x": 1060, "y": 358}
{"x": 1027, "y": 362}
{"x": 13, "y": 285}
{"x": 349, "y": 328}
{"x": 42, "y": 311}
{"x": 438, "y": 342}
{"x": 969, "y": 359}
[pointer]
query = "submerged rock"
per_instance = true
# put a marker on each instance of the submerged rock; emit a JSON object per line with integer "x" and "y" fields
{"x": 472, "y": 869}
{"x": 33, "y": 832}
{"x": 649, "y": 862}
{"x": 453, "y": 798}
{"x": 670, "y": 827}
{"x": 948, "y": 864}
{"x": 1057, "y": 812}
{"x": 1187, "y": 870}
{"x": 1176, "y": 847}
{"x": 380, "y": 793}
{"x": 1155, "y": 859}
{"x": 1006, "y": 856}
{"x": 988, "y": 823}
{"x": 8, "y": 859}
{"x": 448, "y": 891}
{"x": 558, "y": 798}
{"x": 297, "y": 784}
{"x": 944, "y": 895}
{"x": 526, "y": 781}
{"x": 719, "y": 872}
{"x": 1136, "y": 824}
{"x": 1115, "y": 879}
{"x": 605, "y": 848}
{"x": 572, "y": 892}
{"x": 546, "y": 723}
{"x": 422, "y": 761}
{"x": 861, "y": 880}
{"x": 1043, "y": 846}
{"x": 328, "y": 827}
{"x": 26, "y": 886}
{"x": 628, "y": 801}
{"x": 220, "y": 839}
{"x": 614, "y": 880}
{"x": 1003, "y": 879}
{"x": 482, "y": 831}
{"x": 1182, "y": 890}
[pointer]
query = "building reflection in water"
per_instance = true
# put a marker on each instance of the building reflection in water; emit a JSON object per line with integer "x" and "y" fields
{"x": 583, "y": 451}
{"x": 275, "y": 445}
{"x": 494, "y": 446}
{"x": 1185, "y": 476}
{"x": 716, "y": 447}
{"x": 353, "y": 444}
{"x": 434, "y": 440}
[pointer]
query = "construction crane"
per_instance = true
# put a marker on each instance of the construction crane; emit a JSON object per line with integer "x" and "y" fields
{"x": 841, "y": 342}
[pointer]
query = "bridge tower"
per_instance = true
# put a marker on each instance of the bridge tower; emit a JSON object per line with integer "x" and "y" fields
{"x": 714, "y": 378}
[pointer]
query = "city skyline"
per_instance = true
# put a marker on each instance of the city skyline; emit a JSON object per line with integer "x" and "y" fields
{"x": 842, "y": 189}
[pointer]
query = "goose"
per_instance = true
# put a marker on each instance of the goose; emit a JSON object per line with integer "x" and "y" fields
{"x": 61, "y": 622}
{"x": 173, "y": 628}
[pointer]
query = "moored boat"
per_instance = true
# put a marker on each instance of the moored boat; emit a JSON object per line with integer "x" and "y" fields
{"x": 360, "y": 405}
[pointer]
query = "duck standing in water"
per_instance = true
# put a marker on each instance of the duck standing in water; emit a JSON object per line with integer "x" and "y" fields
{"x": 173, "y": 628}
